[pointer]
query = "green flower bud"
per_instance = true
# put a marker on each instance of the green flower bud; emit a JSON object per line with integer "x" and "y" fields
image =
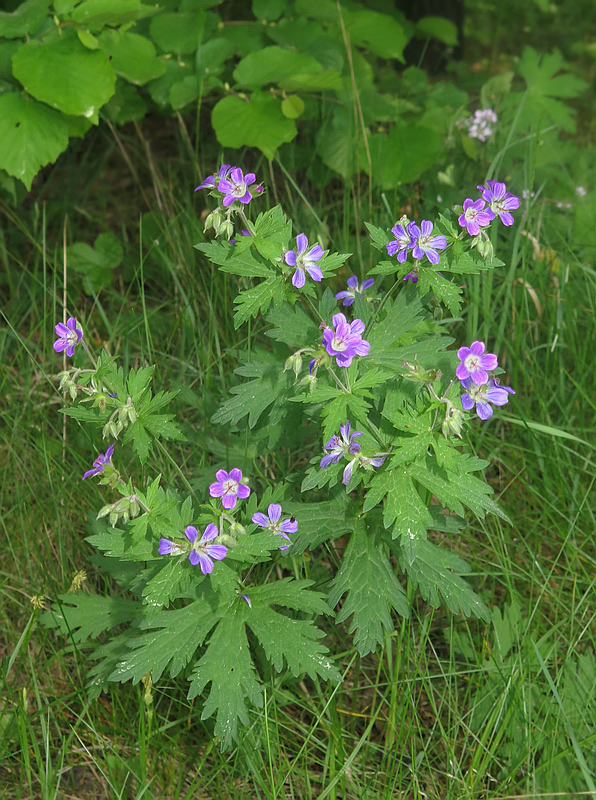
{"x": 453, "y": 422}
{"x": 294, "y": 363}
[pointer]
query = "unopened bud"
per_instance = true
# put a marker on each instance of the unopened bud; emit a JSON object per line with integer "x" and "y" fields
{"x": 294, "y": 363}
{"x": 417, "y": 373}
{"x": 213, "y": 220}
{"x": 453, "y": 422}
{"x": 226, "y": 229}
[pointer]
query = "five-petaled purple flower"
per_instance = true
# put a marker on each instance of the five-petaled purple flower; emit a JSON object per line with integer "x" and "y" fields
{"x": 501, "y": 202}
{"x": 100, "y": 463}
{"x": 483, "y": 396}
{"x": 424, "y": 244}
{"x": 475, "y": 363}
{"x": 341, "y": 445}
{"x": 349, "y": 295}
{"x": 474, "y": 217}
{"x": 304, "y": 260}
{"x": 346, "y": 340}
{"x": 202, "y": 552}
{"x": 272, "y": 523}
{"x": 68, "y": 335}
{"x": 234, "y": 186}
{"x": 229, "y": 486}
{"x": 404, "y": 240}
{"x": 212, "y": 182}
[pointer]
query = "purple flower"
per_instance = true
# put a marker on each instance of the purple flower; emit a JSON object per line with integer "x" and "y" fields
{"x": 229, "y": 486}
{"x": 501, "y": 202}
{"x": 474, "y": 217}
{"x": 425, "y": 244}
{"x": 68, "y": 336}
{"x": 202, "y": 551}
{"x": 235, "y": 186}
{"x": 341, "y": 445}
{"x": 475, "y": 363}
{"x": 100, "y": 463}
{"x": 346, "y": 340}
{"x": 349, "y": 295}
{"x": 412, "y": 276}
{"x": 402, "y": 242}
{"x": 303, "y": 260}
{"x": 272, "y": 523}
{"x": 482, "y": 396}
{"x": 212, "y": 182}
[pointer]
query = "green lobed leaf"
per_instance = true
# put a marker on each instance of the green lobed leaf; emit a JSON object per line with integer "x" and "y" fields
{"x": 257, "y": 300}
{"x": 434, "y": 572}
{"x": 259, "y": 122}
{"x": 444, "y": 290}
{"x": 453, "y": 490}
{"x": 294, "y": 642}
{"x": 85, "y": 616}
{"x": 32, "y": 136}
{"x": 292, "y": 326}
{"x": 289, "y": 593}
{"x": 318, "y": 523}
{"x": 66, "y": 76}
{"x": 227, "y": 665}
{"x": 236, "y": 263}
{"x": 253, "y": 397}
{"x": 372, "y": 590}
{"x": 172, "y": 580}
{"x": 171, "y": 641}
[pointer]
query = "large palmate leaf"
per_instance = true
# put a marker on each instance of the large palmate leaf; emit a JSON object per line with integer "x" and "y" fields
{"x": 259, "y": 122}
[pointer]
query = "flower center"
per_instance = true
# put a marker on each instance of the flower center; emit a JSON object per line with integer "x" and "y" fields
{"x": 239, "y": 189}
{"x": 338, "y": 344}
{"x": 230, "y": 486}
{"x": 473, "y": 363}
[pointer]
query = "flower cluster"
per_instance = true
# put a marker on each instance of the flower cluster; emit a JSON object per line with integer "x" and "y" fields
{"x": 500, "y": 204}
{"x": 479, "y": 125}
{"x": 418, "y": 239}
{"x": 481, "y": 389}
{"x": 345, "y": 445}
{"x": 344, "y": 340}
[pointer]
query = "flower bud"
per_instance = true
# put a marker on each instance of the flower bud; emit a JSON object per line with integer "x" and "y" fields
{"x": 453, "y": 422}
{"x": 100, "y": 400}
{"x": 213, "y": 220}
{"x": 484, "y": 245}
{"x": 226, "y": 229}
{"x": 236, "y": 528}
{"x": 418, "y": 374}
{"x": 294, "y": 363}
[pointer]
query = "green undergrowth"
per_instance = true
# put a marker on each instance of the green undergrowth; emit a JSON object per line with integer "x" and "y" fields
{"x": 448, "y": 708}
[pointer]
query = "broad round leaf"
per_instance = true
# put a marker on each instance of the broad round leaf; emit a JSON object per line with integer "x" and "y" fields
{"x": 178, "y": 33}
{"x": 440, "y": 28}
{"x": 97, "y": 13}
{"x": 258, "y": 123}
{"x": 32, "y": 136}
{"x": 66, "y": 76}
{"x": 133, "y": 56}
{"x": 25, "y": 20}
{"x": 292, "y": 106}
